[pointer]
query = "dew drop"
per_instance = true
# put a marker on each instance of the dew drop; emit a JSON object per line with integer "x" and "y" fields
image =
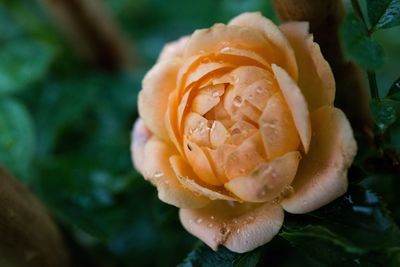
{"x": 225, "y": 49}
{"x": 224, "y": 231}
{"x": 210, "y": 125}
{"x": 237, "y": 101}
{"x": 238, "y": 231}
{"x": 212, "y": 217}
{"x": 287, "y": 191}
{"x": 215, "y": 93}
{"x": 236, "y": 131}
{"x": 199, "y": 220}
{"x": 242, "y": 170}
{"x": 276, "y": 200}
{"x": 158, "y": 174}
{"x": 210, "y": 225}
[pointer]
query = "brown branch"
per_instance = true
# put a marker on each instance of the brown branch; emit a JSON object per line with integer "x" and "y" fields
{"x": 92, "y": 31}
{"x": 325, "y": 17}
{"x": 28, "y": 236}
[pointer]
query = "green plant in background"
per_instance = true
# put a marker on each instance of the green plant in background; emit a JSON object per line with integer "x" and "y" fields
{"x": 64, "y": 131}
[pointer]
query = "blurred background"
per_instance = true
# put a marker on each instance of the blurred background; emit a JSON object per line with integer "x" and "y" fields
{"x": 70, "y": 72}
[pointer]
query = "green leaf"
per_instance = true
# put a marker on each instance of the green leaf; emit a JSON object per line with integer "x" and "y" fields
{"x": 203, "y": 256}
{"x": 383, "y": 13}
{"x": 358, "y": 46}
{"x": 323, "y": 245}
{"x": 59, "y": 105}
{"x": 23, "y": 62}
{"x": 9, "y": 28}
{"x": 16, "y": 136}
{"x": 394, "y": 91}
{"x": 353, "y": 230}
{"x": 385, "y": 112}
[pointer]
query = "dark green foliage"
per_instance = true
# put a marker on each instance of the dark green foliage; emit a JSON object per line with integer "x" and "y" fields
{"x": 361, "y": 49}
{"x": 17, "y": 138}
{"x": 385, "y": 112}
{"x": 23, "y": 62}
{"x": 383, "y": 13}
{"x": 203, "y": 256}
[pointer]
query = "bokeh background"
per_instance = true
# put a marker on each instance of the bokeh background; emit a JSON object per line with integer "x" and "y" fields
{"x": 67, "y": 108}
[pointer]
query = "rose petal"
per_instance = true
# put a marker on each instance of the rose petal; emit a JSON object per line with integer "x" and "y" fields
{"x": 220, "y": 36}
{"x": 218, "y": 134}
{"x": 322, "y": 175}
{"x": 240, "y": 131}
{"x": 200, "y": 163}
{"x": 239, "y": 227}
{"x": 245, "y": 158}
{"x": 296, "y": 103}
{"x": 267, "y": 181}
{"x": 157, "y": 170}
{"x": 274, "y": 35}
{"x": 196, "y": 129}
{"x": 203, "y": 70}
{"x": 158, "y": 83}
{"x": 203, "y": 103}
{"x": 315, "y": 75}
{"x": 207, "y": 98}
{"x": 218, "y": 155}
{"x": 258, "y": 93}
{"x": 189, "y": 180}
{"x": 249, "y": 111}
{"x": 140, "y": 136}
{"x": 277, "y": 129}
{"x": 245, "y": 54}
{"x": 173, "y": 49}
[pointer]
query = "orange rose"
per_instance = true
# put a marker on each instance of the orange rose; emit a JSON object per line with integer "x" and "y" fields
{"x": 238, "y": 124}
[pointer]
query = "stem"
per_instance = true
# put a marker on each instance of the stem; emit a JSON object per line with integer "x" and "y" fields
{"x": 92, "y": 31}
{"x": 29, "y": 237}
{"x": 373, "y": 87}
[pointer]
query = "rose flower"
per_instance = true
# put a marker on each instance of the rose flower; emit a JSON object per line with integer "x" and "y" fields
{"x": 237, "y": 124}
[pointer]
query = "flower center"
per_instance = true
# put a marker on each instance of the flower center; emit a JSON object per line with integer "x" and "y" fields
{"x": 229, "y": 123}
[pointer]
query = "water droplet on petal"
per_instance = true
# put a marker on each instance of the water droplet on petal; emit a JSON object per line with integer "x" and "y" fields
{"x": 199, "y": 220}
{"x": 287, "y": 191}
{"x": 210, "y": 225}
{"x": 212, "y": 217}
{"x": 158, "y": 174}
{"x": 237, "y": 101}
{"x": 236, "y": 131}
{"x": 225, "y": 49}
